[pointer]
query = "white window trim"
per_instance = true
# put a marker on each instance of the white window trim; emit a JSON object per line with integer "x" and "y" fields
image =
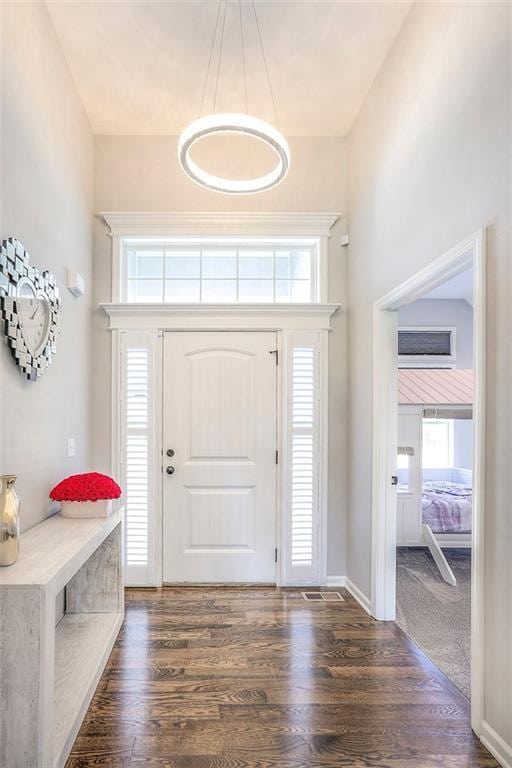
{"x": 218, "y": 317}
{"x": 430, "y": 361}
{"x": 316, "y": 574}
{"x": 139, "y": 574}
{"x": 218, "y": 224}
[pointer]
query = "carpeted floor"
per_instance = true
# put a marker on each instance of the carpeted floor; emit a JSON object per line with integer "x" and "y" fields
{"x": 435, "y": 615}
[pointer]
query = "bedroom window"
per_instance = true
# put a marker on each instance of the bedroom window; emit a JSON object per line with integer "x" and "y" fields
{"x": 215, "y": 270}
{"x": 402, "y": 465}
{"x": 438, "y": 443}
{"x": 431, "y": 347}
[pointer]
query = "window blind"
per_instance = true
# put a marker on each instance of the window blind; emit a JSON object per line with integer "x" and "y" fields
{"x": 448, "y": 413}
{"x": 302, "y": 469}
{"x": 303, "y": 398}
{"x": 136, "y": 453}
{"x": 425, "y": 343}
{"x": 137, "y": 465}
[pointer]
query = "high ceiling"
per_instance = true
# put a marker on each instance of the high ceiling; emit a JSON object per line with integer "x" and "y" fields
{"x": 140, "y": 66}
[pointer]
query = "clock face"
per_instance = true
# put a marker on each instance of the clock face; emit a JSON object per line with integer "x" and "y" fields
{"x": 29, "y": 308}
{"x": 34, "y": 316}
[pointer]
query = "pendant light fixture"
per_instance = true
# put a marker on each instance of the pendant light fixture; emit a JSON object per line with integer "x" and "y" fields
{"x": 234, "y": 123}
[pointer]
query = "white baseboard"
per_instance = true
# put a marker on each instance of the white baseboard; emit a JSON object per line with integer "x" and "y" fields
{"x": 336, "y": 581}
{"x": 356, "y": 593}
{"x": 344, "y": 581}
{"x": 497, "y": 746}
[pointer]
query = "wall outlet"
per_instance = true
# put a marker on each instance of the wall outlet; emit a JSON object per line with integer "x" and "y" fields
{"x": 71, "y": 446}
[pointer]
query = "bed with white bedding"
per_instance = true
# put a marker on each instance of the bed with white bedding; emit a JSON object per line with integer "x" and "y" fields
{"x": 447, "y": 506}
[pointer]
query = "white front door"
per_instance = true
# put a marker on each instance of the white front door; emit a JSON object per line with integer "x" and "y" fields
{"x": 219, "y": 419}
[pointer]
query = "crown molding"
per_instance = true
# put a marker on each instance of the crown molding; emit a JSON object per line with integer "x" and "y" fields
{"x": 126, "y": 316}
{"x": 195, "y": 223}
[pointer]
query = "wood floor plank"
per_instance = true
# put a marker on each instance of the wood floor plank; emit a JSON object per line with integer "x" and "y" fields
{"x": 238, "y": 761}
{"x": 258, "y": 678}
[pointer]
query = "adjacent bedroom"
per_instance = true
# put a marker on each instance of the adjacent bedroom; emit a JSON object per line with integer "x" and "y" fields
{"x": 435, "y": 475}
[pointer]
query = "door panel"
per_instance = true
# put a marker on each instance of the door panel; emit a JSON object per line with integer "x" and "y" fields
{"x": 221, "y": 424}
{"x": 220, "y": 419}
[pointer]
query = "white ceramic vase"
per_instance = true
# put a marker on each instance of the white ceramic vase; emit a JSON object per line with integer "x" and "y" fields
{"x": 100, "y": 508}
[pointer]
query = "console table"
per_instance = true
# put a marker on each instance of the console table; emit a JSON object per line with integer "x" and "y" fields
{"x": 48, "y": 673}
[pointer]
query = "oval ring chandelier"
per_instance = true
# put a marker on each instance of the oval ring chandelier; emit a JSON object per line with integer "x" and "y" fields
{"x": 234, "y": 123}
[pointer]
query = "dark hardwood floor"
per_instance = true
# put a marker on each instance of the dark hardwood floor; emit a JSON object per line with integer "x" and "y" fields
{"x": 258, "y": 678}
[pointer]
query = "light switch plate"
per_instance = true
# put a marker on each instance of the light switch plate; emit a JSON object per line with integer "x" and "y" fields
{"x": 71, "y": 444}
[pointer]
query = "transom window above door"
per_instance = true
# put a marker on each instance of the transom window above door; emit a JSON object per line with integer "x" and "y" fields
{"x": 220, "y": 270}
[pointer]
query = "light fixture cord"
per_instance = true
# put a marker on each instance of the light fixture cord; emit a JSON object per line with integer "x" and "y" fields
{"x": 212, "y": 46}
{"x": 243, "y": 56}
{"x": 266, "y": 64}
{"x": 220, "y": 55}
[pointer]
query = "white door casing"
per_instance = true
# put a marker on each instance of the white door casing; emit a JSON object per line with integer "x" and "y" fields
{"x": 469, "y": 253}
{"x": 137, "y": 327}
{"x": 219, "y": 418}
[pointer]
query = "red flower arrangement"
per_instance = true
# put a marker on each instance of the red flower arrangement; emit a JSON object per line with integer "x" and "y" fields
{"x": 90, "y": 486}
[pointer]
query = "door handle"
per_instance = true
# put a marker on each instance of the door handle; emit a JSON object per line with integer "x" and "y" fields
{"x": 170, "y": 470}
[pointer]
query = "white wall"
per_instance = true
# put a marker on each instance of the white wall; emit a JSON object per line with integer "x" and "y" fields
{"x": 135, "y": 173}
{"x": 456, "y": 313}
{"x": 429, "y": 163}
{"x": 47, "y": 187}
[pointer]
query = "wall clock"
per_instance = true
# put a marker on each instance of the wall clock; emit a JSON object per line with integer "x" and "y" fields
{"x": 30, "y": 308}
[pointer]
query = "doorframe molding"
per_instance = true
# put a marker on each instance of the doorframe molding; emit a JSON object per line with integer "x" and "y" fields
{"x": 470, "y": 252}
{"x": 218, "y": 317}
{"x": 155, "y": 319}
